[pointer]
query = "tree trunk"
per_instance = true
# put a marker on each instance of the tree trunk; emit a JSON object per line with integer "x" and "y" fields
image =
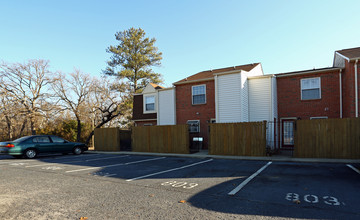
{"x": 78, "y": 136}
{"x": 9, "y": 126}
{"x": 32, "y": 125}
{"x": 23, "y": 127}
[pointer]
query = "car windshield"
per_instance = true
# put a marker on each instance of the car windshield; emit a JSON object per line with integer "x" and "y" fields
{"x": 21, "y": 139}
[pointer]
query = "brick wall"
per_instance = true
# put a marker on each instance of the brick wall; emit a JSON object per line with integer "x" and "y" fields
{"x": 291, "y": 105}
{"x": 185, "y": 110}
{"x": 142, "y": 123}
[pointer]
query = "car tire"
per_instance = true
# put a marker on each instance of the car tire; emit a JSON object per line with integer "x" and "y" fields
{"x": 30, "y": 153}
{"x": 77, "y": 150}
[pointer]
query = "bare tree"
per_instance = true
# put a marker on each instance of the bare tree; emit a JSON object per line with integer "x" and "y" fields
{"x": 73, "y": 91}
{"x": 26, "y": 84}
{"x": 108, "y": 102}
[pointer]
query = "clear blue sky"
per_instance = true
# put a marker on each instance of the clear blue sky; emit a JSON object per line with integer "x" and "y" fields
{"x": 194, "y": 35}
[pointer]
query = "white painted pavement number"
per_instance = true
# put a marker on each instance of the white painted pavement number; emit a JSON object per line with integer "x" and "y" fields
{"x": 17, "y": 164}
{"x": 328, "y": 200}
{"x": 176, "y": 184}
{"x": 51, "y": 168}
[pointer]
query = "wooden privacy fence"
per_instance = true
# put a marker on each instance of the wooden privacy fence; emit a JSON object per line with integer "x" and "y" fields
{"x": 328, "y": 138}
{"x": 238, "y": 139}
{"x": 112, "y": 139}
{"x": 161, "y": 139}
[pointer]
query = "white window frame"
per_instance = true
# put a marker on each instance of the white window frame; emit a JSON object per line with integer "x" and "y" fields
{"x": 192, "y": 94}
{"x": 318, "y": 117}
{"x": 301, "y": 87}
{"x": 189, "y": 122}
{"x": 144, "y": 104}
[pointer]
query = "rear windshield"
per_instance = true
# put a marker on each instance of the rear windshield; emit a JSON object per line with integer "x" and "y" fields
{"x": 21, "y": 139}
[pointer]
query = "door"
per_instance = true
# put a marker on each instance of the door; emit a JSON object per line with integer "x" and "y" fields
{"x": 288, "y": 133}
{"x": 43, "y": 144}
{"x": 61, "y": 145}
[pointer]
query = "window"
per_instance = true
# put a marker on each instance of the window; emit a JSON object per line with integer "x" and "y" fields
{"x": 57, "y": 139}
{"x": 150, "y": 103}
{"x": 41, "y": 140}
{"x": 194, "y": 126}
{"x": 198, "y": 94}
{"x": 310, "y": 88}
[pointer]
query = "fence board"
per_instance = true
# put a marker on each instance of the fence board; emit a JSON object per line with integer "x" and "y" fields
{"x": 328, "y": 138}
{"x": 161, "y": 139}
{"x": 238, "y": 139}
{"x": 112, "y": 139}
{"x": 107, "y": 139}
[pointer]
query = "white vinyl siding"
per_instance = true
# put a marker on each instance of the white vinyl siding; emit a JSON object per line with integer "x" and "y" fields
{"x": 229, "y": 98}
{"x": 166, "y": 109}
{"x": 244, "y": 98}
{"x": 274, "y": 97}
{"x": 260, "y": 99}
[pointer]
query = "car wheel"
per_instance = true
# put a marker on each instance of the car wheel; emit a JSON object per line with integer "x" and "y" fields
{"x": 30, "y": 153}
{"x": 77, "y": 150}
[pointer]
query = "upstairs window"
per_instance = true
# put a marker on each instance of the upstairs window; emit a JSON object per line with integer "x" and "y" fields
{"x": 194, "y": 126}
{"x": 199, "y": 94}
{"x": 149, "y": 103}
{"x": 310, "y": 88}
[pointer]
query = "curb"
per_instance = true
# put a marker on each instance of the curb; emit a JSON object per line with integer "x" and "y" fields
{"x": 270, "y": 158}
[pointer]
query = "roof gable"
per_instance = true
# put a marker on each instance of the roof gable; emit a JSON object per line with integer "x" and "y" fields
{"x": 351, "y": 54}
{"x": 151, "y": 88}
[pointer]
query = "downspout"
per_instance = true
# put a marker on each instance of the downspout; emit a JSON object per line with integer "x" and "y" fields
{"x": 217, "y": 119}
{"x": 356, "y": 90}
{"x": 341, "y": 108}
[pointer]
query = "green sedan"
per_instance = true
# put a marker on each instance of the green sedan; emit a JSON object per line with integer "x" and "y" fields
{"x": 31, "y": 146}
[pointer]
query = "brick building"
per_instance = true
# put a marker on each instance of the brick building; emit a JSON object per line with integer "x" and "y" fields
{"x": 319, "y": 93}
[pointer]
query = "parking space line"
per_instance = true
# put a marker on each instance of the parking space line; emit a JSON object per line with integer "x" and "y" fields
{"x": 74, "y": 161}
{"x": 113, "y": 165}
{"x": 166, "y": 171}
{"x": 239, "y": 187}
{"x": 106, "y": 158}
{"x": 353, "y": 168}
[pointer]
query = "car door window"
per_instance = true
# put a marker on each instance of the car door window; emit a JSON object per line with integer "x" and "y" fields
{"x": 57, "y": 140}
{"x": 41, "y": 140}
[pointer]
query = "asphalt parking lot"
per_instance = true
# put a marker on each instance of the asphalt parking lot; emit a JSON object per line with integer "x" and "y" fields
{"x": 110, "y": 186}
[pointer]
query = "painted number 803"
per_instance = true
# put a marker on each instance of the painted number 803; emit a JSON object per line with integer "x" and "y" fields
{"x": 329, "y": 200}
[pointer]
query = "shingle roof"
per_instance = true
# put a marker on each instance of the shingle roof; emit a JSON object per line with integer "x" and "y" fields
{"x": 210, "y": 73}
{"x": 320, "y": 70}
{"x": 156, "y": 86}
{"x": 351, "y": 53}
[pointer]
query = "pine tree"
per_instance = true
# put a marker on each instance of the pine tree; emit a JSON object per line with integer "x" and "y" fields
{"x": 133, "y": 58}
